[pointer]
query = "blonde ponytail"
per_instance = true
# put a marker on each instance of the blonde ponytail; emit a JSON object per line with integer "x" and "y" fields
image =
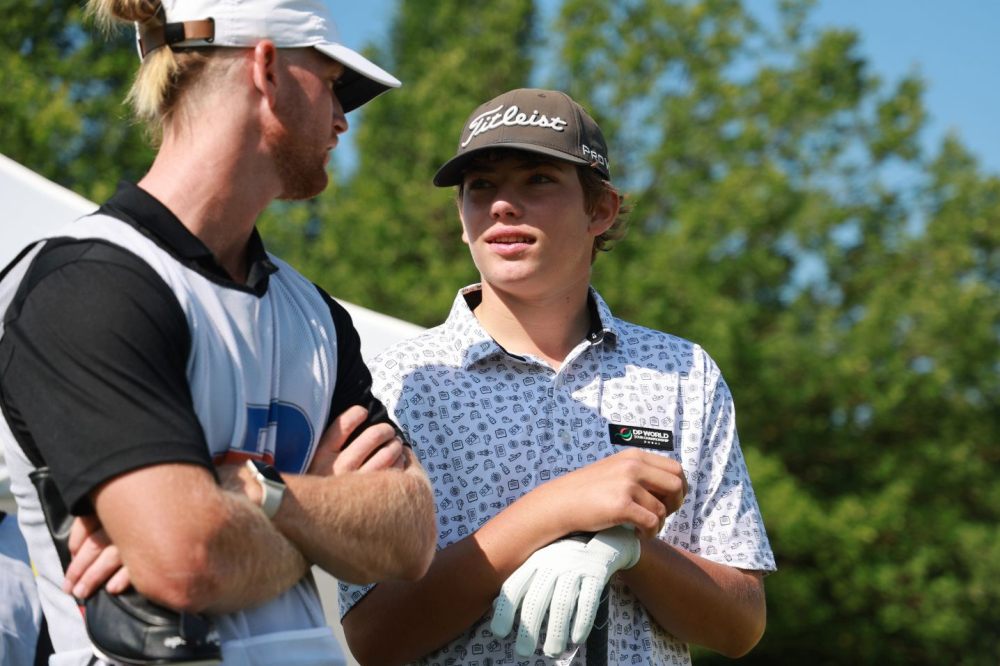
{"x": 108, "y": 13}
{"x": 164, "y": 74}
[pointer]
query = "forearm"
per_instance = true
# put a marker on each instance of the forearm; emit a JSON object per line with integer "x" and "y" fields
{"x": 206, "y": 550}
{"x": 252, "y": 562}
{"x": 456, "y": 591}
{"x": 362, "y": 527}
{"x": 697, "y": 600}
{"x": 465, "y": 578}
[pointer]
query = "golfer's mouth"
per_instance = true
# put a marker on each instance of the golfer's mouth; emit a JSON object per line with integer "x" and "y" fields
{"x": 509, "y": 245}
{"x": 511, "y": 240}
{"x": 509, "y": 234}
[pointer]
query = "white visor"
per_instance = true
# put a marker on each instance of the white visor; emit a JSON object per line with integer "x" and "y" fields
{"x": 287, "y": 23}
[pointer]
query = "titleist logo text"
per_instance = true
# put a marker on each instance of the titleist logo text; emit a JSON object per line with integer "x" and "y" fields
{"x": 492, "y": 119}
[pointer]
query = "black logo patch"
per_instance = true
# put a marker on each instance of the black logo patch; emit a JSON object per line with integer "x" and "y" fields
{"x": 647, "y": 438}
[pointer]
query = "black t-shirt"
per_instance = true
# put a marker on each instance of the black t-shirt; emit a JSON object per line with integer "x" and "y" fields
{"x": 93, "y": 359}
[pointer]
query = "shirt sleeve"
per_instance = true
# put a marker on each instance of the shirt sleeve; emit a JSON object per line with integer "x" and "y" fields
{"x": 354, "y": 381}
{"x": 93, "y": 368}
{"x": 727, "y": 526}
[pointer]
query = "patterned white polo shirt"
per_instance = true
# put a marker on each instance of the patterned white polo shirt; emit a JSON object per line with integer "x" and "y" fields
{"x": 489, "y": 426}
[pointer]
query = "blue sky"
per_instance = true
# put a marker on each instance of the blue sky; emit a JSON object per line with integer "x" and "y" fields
{"x": 952, "y": 44}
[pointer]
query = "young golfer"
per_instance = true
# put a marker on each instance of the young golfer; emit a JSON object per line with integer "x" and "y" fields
{"x": 566, "y": 448}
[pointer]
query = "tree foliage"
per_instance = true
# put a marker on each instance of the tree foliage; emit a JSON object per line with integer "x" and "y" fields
{"x": 856, "y": 318}
{"x": 61, "y": 110}
{"x": 786, "y": 219}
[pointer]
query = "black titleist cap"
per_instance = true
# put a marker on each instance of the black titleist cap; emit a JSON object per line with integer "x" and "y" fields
{"x": 547, "y": 122}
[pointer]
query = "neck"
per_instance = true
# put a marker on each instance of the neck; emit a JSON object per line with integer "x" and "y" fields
{"x": 212, "y": 178}
{"x": 548, "y": 326}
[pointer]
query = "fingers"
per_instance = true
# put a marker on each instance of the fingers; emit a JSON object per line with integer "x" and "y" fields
{"x": 336, "y": 435}
{"x": 662, "y": 476}
{"x": 83, "y": 527}
{"x": 564, "y": 597}
{"x": 633, "y": 486}
{"x": 536, "y": 603}
{"x": 343, "y": 426}
{"x": 401, "y": 461}
{"x": 86, "y": 544}
{"x": 368, "y": 442}
{"x": 659, "y": 488}
{"x": 385, "y": 457}
{"x": 333, "y": 439}
{"x": 120, "y": 582}
{"x": 586, "y": 609}
{"x": 506, "y": 603}
{"x": 646, "y": 513}
{"x": 91, "y": 567}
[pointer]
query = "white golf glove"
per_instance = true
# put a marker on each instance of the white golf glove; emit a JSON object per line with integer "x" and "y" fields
{"x": 563, "y": 577}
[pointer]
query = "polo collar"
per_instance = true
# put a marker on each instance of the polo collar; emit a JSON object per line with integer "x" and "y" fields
{"x": 135, "y": 206}
{"x": 472, "y": 343}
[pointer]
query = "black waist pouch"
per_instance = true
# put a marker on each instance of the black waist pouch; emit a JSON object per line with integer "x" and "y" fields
{"x": 127, "y": 627}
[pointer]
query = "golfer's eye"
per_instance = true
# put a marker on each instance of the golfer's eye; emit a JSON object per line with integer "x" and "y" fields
{"x": 478, "y": 184}
{"x": 540, "y": 178}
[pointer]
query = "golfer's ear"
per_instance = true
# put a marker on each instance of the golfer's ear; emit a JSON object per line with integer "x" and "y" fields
{"x": 604, "y": 213}
{"x": 265, "y": 70}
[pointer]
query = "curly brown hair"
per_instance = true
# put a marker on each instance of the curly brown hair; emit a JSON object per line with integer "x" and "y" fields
{"x": 595, "y": 188}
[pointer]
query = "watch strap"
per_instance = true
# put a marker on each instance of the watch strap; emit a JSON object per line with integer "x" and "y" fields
{"x": 271, "y": 491}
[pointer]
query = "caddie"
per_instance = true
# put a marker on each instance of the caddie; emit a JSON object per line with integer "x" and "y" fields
{"x": 568, "y": 449}
{"x": 189, "y": 396}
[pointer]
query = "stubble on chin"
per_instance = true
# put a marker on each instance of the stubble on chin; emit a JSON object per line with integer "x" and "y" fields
{"x": 300, "y": 167}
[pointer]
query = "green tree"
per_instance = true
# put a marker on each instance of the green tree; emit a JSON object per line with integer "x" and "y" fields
{"x": 62, "y": 102}
{"x": 862, "y": 348}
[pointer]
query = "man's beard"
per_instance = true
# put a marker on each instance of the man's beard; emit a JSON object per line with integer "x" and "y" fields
{"x": 301, "y": 172}
{"x": 301, "y": 169}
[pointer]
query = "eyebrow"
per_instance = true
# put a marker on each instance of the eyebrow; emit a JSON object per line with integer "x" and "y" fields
{"x": 522, "y": 165}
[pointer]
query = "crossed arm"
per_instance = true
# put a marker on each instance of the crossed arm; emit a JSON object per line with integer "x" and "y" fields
{"x": 696, "y": 600}
{"x": 363, "y": 514}
{"x": 97, "y": 343}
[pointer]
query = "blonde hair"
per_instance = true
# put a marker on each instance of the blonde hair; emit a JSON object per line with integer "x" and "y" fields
{"x": 165, "y": 74}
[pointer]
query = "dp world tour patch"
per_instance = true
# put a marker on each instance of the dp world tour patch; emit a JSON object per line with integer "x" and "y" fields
{"x": 647, "y": 438}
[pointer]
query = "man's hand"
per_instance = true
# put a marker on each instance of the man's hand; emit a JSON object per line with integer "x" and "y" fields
{"x": 564, "y": 579}
{"x": 376, "y": 448}
{"x": 632, "y": 487}
{"x": 95, "y": 560}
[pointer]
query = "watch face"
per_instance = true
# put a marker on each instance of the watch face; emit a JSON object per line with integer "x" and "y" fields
{"x": 268, "y": 471}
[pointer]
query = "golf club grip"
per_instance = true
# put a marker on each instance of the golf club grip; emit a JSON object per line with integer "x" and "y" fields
{"x": 597, "y": 641}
